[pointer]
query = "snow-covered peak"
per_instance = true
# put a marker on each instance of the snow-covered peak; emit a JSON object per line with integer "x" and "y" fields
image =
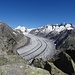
{"x": 69, "y": 27}
{"x": 47, "y": 28}
{"x": 56, "y": 27}
{"x": 23, "y": 29}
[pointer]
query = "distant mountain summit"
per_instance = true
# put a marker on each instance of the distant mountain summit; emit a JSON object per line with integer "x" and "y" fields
{"x": 54, "y": 28}
{"x": 23, "y": 29}
{"x": 47, "y": 28}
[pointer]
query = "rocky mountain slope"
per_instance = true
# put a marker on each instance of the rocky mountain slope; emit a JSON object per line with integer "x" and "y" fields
{"x": 9, "y": 38}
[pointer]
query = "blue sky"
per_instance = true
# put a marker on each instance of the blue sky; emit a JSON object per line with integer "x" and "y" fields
{"x": 36, "y": 13}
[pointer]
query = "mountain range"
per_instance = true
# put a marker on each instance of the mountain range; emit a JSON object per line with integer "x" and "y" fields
{"x": 63, "y": 37}
{"x": 47, "y": 28}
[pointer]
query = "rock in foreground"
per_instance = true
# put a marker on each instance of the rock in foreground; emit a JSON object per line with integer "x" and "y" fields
{"x": 21, "y": 69}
